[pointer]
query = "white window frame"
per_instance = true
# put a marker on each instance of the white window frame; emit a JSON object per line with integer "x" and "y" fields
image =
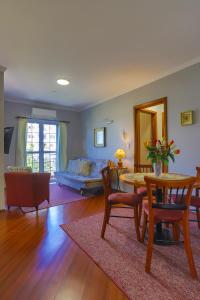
{"x": 41, "y": 151}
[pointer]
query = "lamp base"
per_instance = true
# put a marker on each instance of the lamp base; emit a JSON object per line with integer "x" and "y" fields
{"x": 120, "y": 164}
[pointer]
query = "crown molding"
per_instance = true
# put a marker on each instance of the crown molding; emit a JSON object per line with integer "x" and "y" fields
{"x": 2, "y": 69}
{"x": 160, "y": 76}
{"x": 41, "y": 104}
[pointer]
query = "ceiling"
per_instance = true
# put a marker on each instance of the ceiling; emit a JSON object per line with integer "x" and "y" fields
{"x": 104, "y": 48}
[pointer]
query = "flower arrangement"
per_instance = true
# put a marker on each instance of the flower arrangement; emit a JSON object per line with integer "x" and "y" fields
{"x": 161, "y": 151}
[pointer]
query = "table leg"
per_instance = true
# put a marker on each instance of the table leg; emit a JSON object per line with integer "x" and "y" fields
{"x": 162, "y": 236}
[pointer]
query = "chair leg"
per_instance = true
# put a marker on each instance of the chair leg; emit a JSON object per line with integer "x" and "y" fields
{"x": 36, "y": 207}
{"x": 198, "y": 217}
{"x": 105, "y": 220}
{"x": 149, "y": 246}
{"x": 8, "y": 207}
{"x": 137, "y": 224}
{"x": 188, "y": 249}
{"x": 140, "y": 211}
{"x": 176, "y": 231}
{"x": 144, "y": 227}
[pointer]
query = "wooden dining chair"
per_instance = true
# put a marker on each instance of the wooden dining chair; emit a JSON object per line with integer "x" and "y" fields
{"x": 171, "y": 213}
{"x": 195, "y": 200}
{"x": 141, "y": 168}
{"x": 118, "y": 200}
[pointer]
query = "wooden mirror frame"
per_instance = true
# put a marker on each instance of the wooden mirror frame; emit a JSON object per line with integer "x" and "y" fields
{"x": 138, "y": 108}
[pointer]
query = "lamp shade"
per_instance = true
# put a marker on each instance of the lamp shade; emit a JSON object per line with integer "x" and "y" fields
{"x": 120, "y": 153}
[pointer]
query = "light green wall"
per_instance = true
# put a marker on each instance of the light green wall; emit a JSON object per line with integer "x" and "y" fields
{"x": 183, "y": 92}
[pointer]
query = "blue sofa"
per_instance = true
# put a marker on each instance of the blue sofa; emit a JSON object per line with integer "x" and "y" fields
{"x": 82, "y": 180}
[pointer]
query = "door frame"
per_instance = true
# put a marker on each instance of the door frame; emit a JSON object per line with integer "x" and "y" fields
{"x": 153, "y": 115}
{"x": 143, "y": 107}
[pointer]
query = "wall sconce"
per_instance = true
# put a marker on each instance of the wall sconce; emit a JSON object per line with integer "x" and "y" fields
{"x": 108, "y": 121}
{"x": 126, "y": 139}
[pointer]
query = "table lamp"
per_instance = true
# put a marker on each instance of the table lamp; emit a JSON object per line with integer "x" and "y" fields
{"x": 119, "y": 154}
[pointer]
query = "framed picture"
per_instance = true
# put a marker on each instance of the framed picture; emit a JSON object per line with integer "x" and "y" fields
{"x": 99, "y": 137}
{"x": 187, "y": 118}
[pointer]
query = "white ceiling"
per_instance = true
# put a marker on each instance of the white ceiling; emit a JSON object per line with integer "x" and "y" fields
{"x": 103, "y": 47}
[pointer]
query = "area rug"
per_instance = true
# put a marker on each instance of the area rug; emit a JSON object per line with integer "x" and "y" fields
{"x": 58, "y": 195}
{"x": 122, "y": 258}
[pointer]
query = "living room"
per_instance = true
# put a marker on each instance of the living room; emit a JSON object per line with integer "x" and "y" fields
{"x": 116, "y": 61}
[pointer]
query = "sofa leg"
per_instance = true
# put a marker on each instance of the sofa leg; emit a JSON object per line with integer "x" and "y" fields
{"x": 8, "y": 207}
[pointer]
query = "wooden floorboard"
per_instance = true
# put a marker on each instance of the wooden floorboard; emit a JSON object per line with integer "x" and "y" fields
{"x": 39, "y": 261}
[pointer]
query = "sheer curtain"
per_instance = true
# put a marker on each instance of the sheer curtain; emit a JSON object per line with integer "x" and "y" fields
{"x": 62, "y": 146}
{"x": 21, "y": 142}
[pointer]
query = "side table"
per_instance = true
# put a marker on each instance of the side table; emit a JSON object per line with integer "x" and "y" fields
{"x": 117, "y": 172}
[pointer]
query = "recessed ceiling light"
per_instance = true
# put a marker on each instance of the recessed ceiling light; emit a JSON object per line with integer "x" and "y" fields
{"x": 62, "y": 82}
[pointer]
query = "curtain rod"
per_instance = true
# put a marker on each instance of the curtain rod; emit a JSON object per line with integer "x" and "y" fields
{"x": 22, "y": 117}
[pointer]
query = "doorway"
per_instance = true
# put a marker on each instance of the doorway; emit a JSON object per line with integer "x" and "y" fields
{"x": 150, "y": 124}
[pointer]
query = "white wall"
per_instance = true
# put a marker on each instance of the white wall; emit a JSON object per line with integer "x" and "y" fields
{"x": 12, "y": 110}
{"x": 1, "y": 140}
{"x": 183, "y": 92}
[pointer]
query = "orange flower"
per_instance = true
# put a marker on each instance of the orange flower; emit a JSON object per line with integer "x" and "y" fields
{"x": 177, "y": 151}
{"x": 171, "y": 142}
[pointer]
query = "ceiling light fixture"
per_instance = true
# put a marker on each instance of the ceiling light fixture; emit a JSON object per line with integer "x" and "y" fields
{"x": 62, "y": 82}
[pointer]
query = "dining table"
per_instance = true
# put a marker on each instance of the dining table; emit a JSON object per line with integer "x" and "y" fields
{"x": 162, "y": 236}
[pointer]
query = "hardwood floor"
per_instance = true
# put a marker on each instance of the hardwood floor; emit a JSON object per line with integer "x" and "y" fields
{"x": 39, "y": 261}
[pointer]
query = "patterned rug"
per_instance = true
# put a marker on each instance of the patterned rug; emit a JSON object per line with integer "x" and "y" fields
{"x": 122, "y": 258}
{"x": 59, "y": 195}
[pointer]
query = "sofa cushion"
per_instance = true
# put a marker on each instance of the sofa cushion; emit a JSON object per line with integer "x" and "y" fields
{"x": 79, "y": 167}
{"x": 74, "y": 166}
{"x": 85, "y": 167}
{"x": 75, "y": 177}
{"x": 97, "y": 166}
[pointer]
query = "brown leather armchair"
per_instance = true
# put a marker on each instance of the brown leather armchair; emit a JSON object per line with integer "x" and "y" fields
{"x": 26, "y": 189}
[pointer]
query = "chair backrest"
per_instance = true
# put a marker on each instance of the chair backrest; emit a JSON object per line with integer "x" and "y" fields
{"x": 138, "y": 168}
{"x": 198, "y": 181}
{"x": 179, "y": 191}
{"x": 106, "y": 176}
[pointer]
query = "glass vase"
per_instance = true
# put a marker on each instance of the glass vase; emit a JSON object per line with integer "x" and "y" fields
{"x": 157, "y": 168}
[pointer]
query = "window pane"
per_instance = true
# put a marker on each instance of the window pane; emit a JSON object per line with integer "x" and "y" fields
{"x": 33, "y": 127}
{"x": 32, "y": 141}
{"x": 49, "y": 137}
{"x": 46, "y": 128}
{"x": 32, "y": 160}
{"x": 50, "y": 162}
{"x": 52, "y": 128}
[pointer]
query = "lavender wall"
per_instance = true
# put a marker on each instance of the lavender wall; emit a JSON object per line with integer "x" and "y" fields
{"x": 1, "y": 139}
{"x": 183, "y": 92}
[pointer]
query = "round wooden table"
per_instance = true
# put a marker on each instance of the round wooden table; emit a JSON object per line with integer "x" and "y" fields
{"x": 137, "y": 179}
{"x": 161, "y": 237}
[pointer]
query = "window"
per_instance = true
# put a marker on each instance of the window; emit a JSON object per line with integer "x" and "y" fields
{"x": 41, "y": 146}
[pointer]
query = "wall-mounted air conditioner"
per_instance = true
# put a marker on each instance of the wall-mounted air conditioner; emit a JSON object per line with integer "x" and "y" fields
{"x": 40, "y": 113}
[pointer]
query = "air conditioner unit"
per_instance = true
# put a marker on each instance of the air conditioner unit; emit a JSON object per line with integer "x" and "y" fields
{"x": 40, "y": 113}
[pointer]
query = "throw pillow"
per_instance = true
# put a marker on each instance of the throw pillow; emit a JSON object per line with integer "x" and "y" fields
{"x": 85, "y": 167}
